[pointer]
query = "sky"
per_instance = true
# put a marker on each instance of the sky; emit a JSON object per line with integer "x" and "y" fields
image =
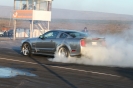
{"x": 108, "y": 6}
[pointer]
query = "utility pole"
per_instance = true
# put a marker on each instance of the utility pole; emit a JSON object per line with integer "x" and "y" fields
{"x": 14, "y": 31}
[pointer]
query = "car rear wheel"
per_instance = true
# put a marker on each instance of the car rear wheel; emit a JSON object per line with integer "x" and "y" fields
{"x": 63, "y": 52}
{"x": 26, "y": 49}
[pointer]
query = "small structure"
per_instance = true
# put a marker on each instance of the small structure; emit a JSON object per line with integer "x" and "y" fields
{"x": 38, "y": 12}
{"x": 20, "y": 33}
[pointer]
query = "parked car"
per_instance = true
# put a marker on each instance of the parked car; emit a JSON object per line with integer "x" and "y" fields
{"x": 10, "y": 33}
{"x": 64, "y": 42}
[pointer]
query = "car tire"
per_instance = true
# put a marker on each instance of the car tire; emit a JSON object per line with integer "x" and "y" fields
{"x": 63, "y": 52}
{"x": 26, "y": 49}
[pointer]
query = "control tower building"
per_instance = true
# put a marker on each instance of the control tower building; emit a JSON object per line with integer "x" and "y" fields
{"x": 35, "y": 11}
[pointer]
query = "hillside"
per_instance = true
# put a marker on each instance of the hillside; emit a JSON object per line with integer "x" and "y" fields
{"x": 71, "y": 19}
{"x": 87, "y": 15}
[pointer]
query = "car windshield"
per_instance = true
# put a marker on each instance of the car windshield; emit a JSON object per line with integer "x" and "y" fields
{"x": 77, "y": 34}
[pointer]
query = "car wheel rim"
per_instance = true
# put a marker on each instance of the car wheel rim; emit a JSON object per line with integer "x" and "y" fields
{"x": 63, "y": 52}
{"x": 25, "y": 49}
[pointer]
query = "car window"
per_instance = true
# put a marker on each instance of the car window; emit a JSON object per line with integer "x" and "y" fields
{"x": 63, "y": 35}
{"x": 51, "y": 34}
{"x": 76, "y": 34}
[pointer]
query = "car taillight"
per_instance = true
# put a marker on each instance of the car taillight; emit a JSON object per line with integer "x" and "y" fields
{"x": 82, "y": 42}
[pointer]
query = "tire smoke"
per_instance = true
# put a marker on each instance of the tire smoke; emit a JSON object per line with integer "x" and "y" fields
{"x": 118, "y": 53}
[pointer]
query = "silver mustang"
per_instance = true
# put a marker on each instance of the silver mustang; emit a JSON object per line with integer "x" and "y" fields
{"x": 64, "y": 42}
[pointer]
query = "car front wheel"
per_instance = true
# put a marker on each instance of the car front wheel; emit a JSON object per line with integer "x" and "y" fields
{"x": 26, "y": 49}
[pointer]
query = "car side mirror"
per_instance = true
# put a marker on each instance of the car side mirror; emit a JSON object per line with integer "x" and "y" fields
{"x": 41, "y": 37}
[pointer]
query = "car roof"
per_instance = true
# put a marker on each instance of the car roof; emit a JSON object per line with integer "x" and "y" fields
{"x": 66, "y": 30}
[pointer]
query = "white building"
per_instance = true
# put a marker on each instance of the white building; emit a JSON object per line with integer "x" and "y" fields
{"x": 35, "y": 11}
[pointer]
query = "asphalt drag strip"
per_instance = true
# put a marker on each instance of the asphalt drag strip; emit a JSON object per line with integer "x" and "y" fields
{"x": 59, "y": 75}
{"x": 98, "y": 73}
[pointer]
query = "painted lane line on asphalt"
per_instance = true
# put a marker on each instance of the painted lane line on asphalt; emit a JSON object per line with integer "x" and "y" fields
{"x": 86, "y": 71}
{"x": 18, "y": 61}
{"x": 9, "y": 48}
{"x": 99, "y": 73}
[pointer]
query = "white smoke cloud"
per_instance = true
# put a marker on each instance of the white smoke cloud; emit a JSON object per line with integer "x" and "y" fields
{"x": 118, "y": 53}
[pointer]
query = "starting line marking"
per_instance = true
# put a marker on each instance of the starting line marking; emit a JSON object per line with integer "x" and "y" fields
{"x": 99, "y": 73}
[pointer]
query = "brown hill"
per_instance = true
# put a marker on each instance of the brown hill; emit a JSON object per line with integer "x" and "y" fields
{"x": 71, "y": 19}
{"x": 87, "y": 15}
